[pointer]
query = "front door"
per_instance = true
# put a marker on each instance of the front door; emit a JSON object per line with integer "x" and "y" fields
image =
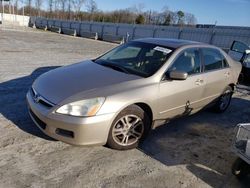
{"x": 182, "y": 97}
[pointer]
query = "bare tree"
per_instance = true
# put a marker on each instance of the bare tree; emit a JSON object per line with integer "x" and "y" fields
{"x": 78, "y": 4}
{"x": 69, "y": 9}
{"x": 120, "y": 16}
{"x": 66, "y": 9}
{"x": 190, "y": 19}
{"x": 63, "y": 5}
{"x": 138, "y": 8}
{"x": 38, "y": 5}
{"x": 29, "y": 4}
{"x": 155, "y": 18}
{"x": 16, "y": 5}
{"x": 175, "y": 18}
{"x": 148, "y": 16}
{"x": 51, "y": 6}
{"x": 56, "y": 8}
{"x": 167, "y": 16}
{"x": 91, "y": 6}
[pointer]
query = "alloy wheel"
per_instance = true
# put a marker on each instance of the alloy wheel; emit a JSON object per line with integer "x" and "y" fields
{"x": 128, "y": 130}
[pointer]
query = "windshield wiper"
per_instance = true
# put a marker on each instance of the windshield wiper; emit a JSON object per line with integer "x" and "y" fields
{"x": 116, "y": 67}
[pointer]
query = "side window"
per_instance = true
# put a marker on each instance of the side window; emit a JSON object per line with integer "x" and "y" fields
{"x": 213, "y": 59}
{"x": 188, "y": 61}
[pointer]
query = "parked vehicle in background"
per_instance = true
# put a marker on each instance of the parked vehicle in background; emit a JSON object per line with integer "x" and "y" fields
{"x": 117, "y": 98}
{"x": 241, "y": 147}
{"x": 241, "y": 52}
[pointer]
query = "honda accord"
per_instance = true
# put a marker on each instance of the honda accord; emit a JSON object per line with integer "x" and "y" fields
{"x": 117, "y": 98}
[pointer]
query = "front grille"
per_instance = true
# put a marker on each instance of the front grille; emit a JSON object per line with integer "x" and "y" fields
{"x": 44, "y": 103}
{"x": 38, "y": 121}
{"x": 40, "y": 100}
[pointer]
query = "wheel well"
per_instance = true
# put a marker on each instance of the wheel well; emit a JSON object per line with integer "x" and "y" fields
{"x": 146, "y": 109}
{"x": 232, "y": 86}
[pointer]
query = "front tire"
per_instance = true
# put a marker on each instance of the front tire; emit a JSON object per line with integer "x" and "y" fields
{"x": 128, "y": 129}
{"x": 224, "y": 101}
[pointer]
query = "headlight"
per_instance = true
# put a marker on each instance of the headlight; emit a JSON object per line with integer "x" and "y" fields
{"x": 82, "y": 108}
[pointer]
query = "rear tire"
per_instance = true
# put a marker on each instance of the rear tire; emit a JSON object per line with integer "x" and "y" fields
{"x": 240, "y": 168}
{"x": 224, "y": 100}
{"x": 129, "y": 128}
{"x": 241, "y": 78}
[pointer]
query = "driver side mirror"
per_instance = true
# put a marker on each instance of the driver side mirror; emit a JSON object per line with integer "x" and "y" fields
{"x": 178, "y": 75}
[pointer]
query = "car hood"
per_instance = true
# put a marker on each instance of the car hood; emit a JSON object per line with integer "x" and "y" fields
{"x": 62, "y": 83}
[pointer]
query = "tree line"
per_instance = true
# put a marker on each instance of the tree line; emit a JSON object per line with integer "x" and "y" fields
{"x": 87, "y": 10}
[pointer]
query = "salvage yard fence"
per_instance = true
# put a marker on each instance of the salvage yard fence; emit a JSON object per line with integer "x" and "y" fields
{"x": 221, "y": 36}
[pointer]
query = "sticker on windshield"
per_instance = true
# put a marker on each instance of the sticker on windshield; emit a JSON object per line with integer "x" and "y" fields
{"x": 164, "y": 50}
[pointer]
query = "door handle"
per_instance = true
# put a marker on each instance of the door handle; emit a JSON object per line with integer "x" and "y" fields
{"x": 227, "y": 74}
{"x": 199, "y": 82}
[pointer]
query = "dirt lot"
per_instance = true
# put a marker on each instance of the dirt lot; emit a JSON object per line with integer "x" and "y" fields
{"x": 189, "y": 152}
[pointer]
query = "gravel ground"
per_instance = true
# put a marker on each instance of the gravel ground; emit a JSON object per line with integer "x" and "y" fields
{"x": 188, "y": 152}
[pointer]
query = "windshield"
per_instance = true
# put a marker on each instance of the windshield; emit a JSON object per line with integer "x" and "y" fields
{"x": 142, "y": 59}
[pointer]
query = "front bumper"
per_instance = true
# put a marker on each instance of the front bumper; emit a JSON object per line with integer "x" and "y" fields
{"x": 69, "y": 129}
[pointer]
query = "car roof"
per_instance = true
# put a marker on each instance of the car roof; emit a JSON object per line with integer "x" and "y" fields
{"x": 171, "y": 43}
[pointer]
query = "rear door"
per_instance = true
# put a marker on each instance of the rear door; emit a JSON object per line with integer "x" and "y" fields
{"x": 216, "y": 73}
